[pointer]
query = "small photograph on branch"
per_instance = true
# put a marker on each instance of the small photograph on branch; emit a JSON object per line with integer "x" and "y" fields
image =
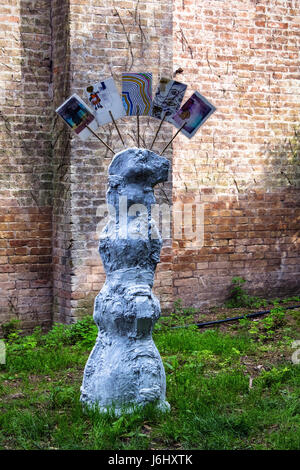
{"x": 78, "y": 116}
{"x": 195, "y": 111}
{"x": 168, "y": 98}
{"x": 137, "y": 92}
{"x": 104, "y": 98}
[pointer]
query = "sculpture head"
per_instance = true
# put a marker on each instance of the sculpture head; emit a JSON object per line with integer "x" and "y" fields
{"x": 133, "y": 173}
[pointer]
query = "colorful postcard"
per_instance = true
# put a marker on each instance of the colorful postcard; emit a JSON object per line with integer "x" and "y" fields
{"x": 168, "y": 98}
{"x": 104, "y": 97}
{"x": 137, "y": 91}
{"x": 78, "y": 116}
{"x": 195, "y": 111}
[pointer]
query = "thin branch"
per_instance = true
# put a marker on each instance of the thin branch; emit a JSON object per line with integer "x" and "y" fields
{"x": 127, "y": 38}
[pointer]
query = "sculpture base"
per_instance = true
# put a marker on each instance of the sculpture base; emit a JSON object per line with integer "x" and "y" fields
{"x": 162, "y": 406}
{"x": 124, "y": 374}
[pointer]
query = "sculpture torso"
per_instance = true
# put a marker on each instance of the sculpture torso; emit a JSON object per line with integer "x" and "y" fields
{"x": 138, "y": 249}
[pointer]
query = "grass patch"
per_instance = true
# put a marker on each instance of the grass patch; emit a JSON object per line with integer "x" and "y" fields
{"x": 228, "y": 389}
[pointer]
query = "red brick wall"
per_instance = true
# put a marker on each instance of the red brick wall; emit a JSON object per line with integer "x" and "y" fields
{"x": 26, "y": 169}
{"x": 243, "y": 165}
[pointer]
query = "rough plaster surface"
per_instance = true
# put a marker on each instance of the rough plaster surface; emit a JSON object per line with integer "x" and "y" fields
{"x": 125, "y": 367}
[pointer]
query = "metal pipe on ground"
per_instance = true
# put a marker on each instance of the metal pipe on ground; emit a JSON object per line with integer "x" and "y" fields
{"x": 225, "y": 320}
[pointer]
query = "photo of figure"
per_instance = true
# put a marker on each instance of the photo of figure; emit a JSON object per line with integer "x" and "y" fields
{"x": 105, "y": 98}
{"x": 94, "y": 97}
{"x": 78, "y": 116}
{"x": 168, "y": 98}
{"x": 195, "y": 111}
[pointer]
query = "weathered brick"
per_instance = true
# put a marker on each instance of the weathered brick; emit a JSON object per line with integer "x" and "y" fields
{"x": 240, "y": 163}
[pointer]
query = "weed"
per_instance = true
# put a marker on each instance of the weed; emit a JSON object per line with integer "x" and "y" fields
{"x": 240, "y": 298}
{"x": 82, "y": 333}
{"x": 180, "y": 316}
{"x": 11, "y": 329}
{"x": 265, "y": 329}
{"x": 295, "y": 298}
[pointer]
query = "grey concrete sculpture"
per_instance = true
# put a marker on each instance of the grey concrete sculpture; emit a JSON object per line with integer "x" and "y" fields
{"x": 124, "y": 367}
